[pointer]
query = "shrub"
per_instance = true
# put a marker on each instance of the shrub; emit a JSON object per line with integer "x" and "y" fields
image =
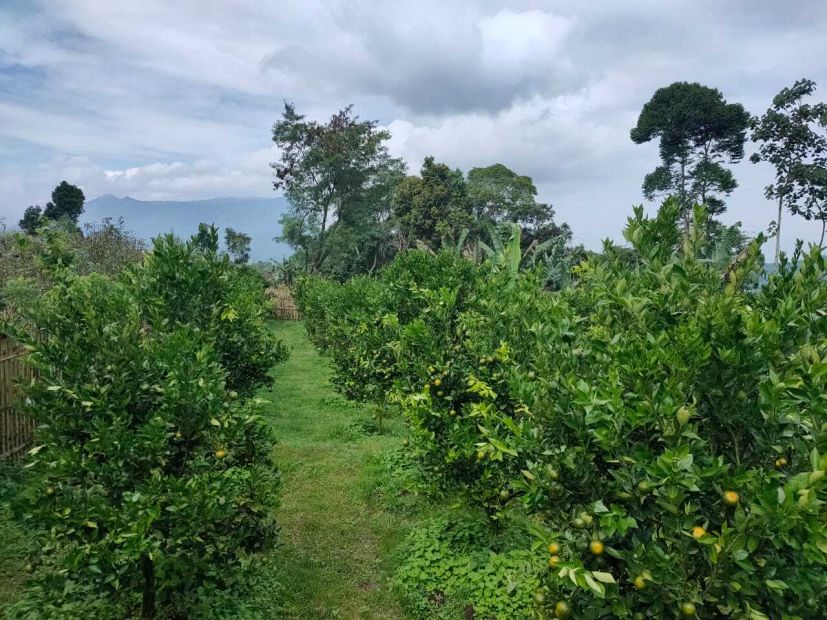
{"x": 30, "y": 264}
{"x": 359, "y": 324}
{"x": 149, "y": 480}
{"x": 193, "y": 284}
{"x": 682, "y": 427}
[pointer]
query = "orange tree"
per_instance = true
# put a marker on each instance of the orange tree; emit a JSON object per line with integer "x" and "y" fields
{"x": 662, "y": 420}
{"x": 194, "y": 284}
{"x": 683, "y": 427}
{"x": 149, "y": 479}
{"x": 359, "y": 324}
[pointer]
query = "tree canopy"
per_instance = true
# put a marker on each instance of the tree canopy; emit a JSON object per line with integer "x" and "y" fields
{"x": 433, "y": 206}
{"x": 698, "y": 133}
{"x": 67, "y": 201}
{"x": 31, "y": 220}
{"x": 792, "y": 138}
{"x": 238, "y": 245}
{"x": 498, "y": 195}
{"x": 67, "y": 204}
{"x": 338, "y": 178}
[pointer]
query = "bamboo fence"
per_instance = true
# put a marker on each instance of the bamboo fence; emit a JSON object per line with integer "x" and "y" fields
{"x": 284, "y": 306}
{"x": 15, "y": 429}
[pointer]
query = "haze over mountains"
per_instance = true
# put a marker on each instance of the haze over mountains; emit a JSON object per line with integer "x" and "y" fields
{"x": 258, "y": 217}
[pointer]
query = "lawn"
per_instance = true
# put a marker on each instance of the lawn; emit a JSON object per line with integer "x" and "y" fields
{"x": 340, "y": 522}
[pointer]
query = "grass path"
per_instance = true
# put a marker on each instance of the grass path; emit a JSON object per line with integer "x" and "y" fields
{"x": 336, "y": 539}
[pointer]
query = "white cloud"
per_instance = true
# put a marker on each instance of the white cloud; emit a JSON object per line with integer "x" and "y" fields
{"x": 522, "y": 41}
{"x": 162, "y": 99}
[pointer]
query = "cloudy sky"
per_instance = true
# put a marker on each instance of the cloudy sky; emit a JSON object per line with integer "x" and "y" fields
{"x": 175, "y": 100}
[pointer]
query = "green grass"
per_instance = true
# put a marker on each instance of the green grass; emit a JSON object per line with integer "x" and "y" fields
{"x": 339, "y": 530}
{"x": 14, "y": 544}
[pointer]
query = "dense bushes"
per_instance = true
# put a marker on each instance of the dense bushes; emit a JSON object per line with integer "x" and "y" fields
{"x": 357, "y": 324}
{"x": 28, "y": 263}
{"x": 662, "y": 420}
{"x": 193, "y": 284}
{"x": 150, "y": 477}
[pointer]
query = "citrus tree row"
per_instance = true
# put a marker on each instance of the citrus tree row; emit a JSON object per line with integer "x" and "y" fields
{"x": 150, "y": 477}
{"x": 664, "y": 419}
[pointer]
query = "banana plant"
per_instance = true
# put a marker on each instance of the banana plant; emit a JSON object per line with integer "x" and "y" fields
{"x": 508, "y": 255}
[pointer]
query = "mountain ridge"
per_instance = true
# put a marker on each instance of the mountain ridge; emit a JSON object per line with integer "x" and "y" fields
{"x": 255, "y": 216}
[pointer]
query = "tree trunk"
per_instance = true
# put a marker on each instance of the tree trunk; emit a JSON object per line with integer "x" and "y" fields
{"x": 778, "y": 230}
{"x": 821, "y": 241}
{"x": 684, "y": 206}
{"x": 148, "y": 604}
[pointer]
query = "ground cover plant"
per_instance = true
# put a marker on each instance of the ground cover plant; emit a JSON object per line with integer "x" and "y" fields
{"x": 661, "y": 421}
{"x": 151, "y": 476}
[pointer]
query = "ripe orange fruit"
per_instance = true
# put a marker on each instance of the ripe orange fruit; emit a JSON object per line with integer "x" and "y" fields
{"x": 731, "y": 498}
{"x": 596, "y": 547}
{"x": 688, "y": 610}
{"x": 553, "y": 561}
{"x": 780, "y": 462}
{"x": 640, "y": 582}
{"x": 220, "y": 454}
{"x": 437, "y": 382}
{"x": 562, "y": 610}
{"x": 554, "y": 548}
{"x": 698, "y": 532}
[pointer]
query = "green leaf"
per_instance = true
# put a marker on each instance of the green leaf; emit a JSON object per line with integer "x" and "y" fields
{"x": 598, "y": 588}
{"x": 777, "y": 584}
{"x": 603, "y": 577}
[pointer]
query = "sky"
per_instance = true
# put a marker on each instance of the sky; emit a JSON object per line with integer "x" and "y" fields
{"x": 176, "y": 100}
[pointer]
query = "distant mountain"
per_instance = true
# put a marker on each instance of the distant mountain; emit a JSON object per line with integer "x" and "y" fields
{"x": 258, "y": 217}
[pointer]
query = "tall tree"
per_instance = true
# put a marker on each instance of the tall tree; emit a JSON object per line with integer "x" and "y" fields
{"x": 498, "y": 194}
{"x": 433, "y": 206}
{"x": 238, "y": 245}
{"x": 812, "y": 180}
{"x": 67, "y": 201}
{"x": 337, "y": 177}
{"x": 792, "y": 138}
{"x": 699, "y": 132}
{"x": 31, "y": 219}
